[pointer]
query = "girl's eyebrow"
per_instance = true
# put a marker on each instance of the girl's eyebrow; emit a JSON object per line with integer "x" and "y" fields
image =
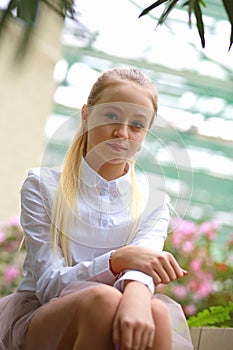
{"x": 107, "y": 106}
{"x": 137, "y": 114}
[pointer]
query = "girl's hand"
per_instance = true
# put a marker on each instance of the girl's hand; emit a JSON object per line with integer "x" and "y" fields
{"x": 160, "y": 265}
{"x": 133, "y": 326}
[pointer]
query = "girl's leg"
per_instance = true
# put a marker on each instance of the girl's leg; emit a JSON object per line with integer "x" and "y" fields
{"x": 163, "y": 331}
{"x": 81, "y": 320}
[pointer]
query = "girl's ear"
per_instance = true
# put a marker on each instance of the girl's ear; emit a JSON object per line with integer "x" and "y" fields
{"x": 84, "y": 113}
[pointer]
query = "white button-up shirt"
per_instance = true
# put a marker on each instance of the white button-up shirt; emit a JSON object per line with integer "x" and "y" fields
{"x": 102, "y": 223}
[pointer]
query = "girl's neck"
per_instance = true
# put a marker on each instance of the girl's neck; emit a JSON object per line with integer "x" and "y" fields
{"x": 109, "y": 170}
{"x": 113, "y": 171}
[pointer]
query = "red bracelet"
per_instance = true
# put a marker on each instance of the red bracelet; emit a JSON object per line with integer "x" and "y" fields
{"x": 110, "y": 264}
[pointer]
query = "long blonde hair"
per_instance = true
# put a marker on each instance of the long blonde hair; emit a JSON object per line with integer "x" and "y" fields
{"x": 67, "y": 190}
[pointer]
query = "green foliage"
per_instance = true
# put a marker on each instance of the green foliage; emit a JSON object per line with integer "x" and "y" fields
{"x": 193, "y": 7}
{"x": 213, "y": 316}
{"x": 228, "y": 4}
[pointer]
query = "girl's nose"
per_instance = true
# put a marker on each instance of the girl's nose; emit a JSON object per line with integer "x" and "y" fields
{"x": 121, "y": 131}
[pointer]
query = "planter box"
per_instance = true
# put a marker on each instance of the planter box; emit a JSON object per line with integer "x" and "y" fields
{"x": 212, "y": 338}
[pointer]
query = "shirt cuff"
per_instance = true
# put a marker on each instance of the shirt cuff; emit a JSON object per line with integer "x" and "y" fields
{"x": 135, "y": 275}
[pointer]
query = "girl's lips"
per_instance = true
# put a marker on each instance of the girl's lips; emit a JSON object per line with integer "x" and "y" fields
{"x": 117, "y": 147}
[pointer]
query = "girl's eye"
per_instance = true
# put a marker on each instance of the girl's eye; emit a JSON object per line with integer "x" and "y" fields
{"x": 111, "y": 116}
{"x": 137, "y": 125}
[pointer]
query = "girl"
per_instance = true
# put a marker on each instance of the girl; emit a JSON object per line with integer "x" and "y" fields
{"x": 94, "y": 235}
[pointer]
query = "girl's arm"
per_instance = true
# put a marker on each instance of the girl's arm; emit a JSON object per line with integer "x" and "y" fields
{"x": 143, "y": 259}
{"x": 43, "y": 271}
{"x": 160, "y": 265}
{"x": 134, "y": 326}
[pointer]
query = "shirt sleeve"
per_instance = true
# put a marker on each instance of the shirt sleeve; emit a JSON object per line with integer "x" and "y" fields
{"x": 151, "y": 234}
{"x": 152, "y": 231}
{"x": 49, "y": 273}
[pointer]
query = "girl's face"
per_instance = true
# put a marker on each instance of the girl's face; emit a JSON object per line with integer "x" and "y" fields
{"x": 117, "y": 124}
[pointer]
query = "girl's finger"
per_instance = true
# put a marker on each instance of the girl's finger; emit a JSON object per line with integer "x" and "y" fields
{"x": 164, "y": 271}
{"x": 150, "y": 341}
{"x": 139, "y": 339}
{"x": 116, "y": 335}
{"x": 185, "y": 273}
{"x": 176, "y": 268}
{"x": 156, "y": 278}
{"x": 126, "y": 340}
{"x": 147, "y": 340}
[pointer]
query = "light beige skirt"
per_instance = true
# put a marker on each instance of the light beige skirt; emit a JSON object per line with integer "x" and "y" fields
{"x": 17, "y": 310}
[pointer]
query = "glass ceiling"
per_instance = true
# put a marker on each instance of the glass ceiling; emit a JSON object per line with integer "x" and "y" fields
{"x": 195, "y": 95}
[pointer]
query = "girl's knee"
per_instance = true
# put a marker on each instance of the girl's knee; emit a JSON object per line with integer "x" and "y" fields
{"x": 99, "y": 300}
{"x": 98, "y": 308}
{"x": 160, "y": 310}
{"x": 103, "y": 295}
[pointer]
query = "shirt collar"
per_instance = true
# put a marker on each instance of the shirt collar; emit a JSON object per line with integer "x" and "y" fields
{"x": 92, "y": 179}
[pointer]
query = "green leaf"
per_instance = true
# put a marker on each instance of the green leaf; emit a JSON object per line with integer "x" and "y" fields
{"x": 151, "y": 7}
{"x": 200, "y": 24}
{"x": 189, "y": 3}
{"x": 228, "y": 4}
{"x": 166, "y": 12}
{"x": 202, "y": 3}
{"x": 213, "y": 315}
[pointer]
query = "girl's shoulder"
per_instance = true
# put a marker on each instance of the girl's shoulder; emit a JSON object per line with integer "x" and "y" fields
{"x": 42, "y": 178}
{"x": 40, "y": 185}
{"x": 44, "y": 174}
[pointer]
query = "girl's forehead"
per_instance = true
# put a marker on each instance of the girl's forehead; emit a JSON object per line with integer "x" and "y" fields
{"x": 126, "y": 92}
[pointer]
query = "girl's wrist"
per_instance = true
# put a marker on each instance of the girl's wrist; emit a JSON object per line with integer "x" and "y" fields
{"x": 118, "y": 260}
{"x": 111, "y": 264}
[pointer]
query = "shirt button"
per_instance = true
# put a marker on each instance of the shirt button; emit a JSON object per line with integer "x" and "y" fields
{"x": 104, "y": 223}
{"x": 115, "y": 194}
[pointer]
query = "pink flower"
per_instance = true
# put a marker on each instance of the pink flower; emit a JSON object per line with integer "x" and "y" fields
{"x": 11, "y": 273}
{"x": 177, "y": 239}
{"x": 203, "y": 287}
{"x": 188, "y": 247}
{"x": 195, "y": 265}
{"x": 193, "y": 285}
{"x": 179, "y": 291}
{"x": 208, "y": 229}
{"x": 204, "y": 290}
{"x": 186, "y": 227}
{"x": 190, "y": 309}
{"x": 2, "y": 237}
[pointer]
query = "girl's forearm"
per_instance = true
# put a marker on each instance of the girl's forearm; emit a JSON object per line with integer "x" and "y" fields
{"x": 160, "y": 265}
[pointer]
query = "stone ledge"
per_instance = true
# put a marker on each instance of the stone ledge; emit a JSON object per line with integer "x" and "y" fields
{"x": 206, "y": 338}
